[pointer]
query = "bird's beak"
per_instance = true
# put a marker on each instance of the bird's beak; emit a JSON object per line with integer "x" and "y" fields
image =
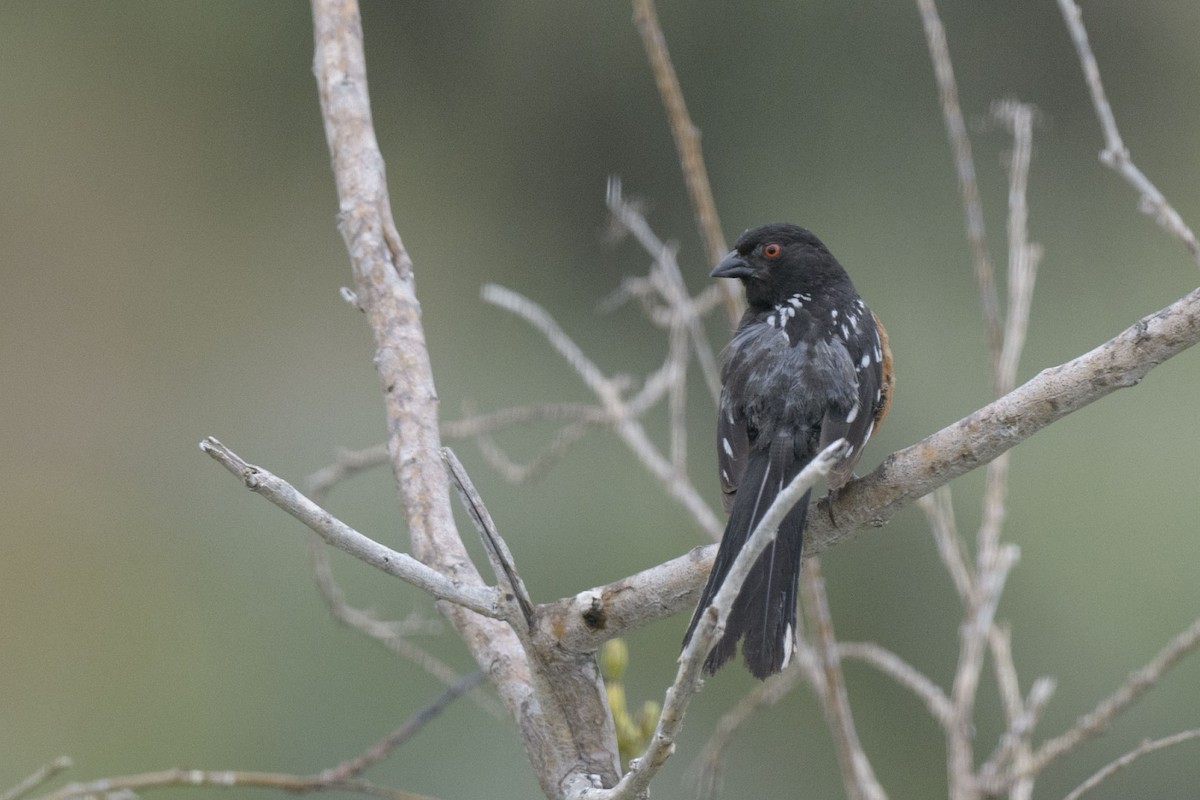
{"x": 732, "y": 266}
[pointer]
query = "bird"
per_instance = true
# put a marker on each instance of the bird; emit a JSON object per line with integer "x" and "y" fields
{"x": 808, "y": 364}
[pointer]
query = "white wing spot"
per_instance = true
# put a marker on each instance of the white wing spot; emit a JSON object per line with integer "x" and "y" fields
{"x": 833, "y": 313}
{"x": 771, "y": 320}
{"x": 878, "y": 355}
{"x": 865, "y": 361}
{"x": 853, "y": 415}
{"x": 845, "y": 332}
{"x": 789, "y": 646}
{"x": 870, "y": 430}
{"x": 727, "y": 447}
{"x": 794, "y": 301}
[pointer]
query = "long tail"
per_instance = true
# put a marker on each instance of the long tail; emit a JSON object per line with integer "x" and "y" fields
{"x": 764, "y": 613}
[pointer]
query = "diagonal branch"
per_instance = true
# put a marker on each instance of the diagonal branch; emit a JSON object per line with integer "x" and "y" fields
{"x": 624, "y": 422}
{"x": 857, "y": 775}
{"x": 964, "y": 164}
{"x": 712, "y": 623}
{"x": 1145, "y": 748}
{"x": 687, "y": 142}
{"x": 1098, "y": 719}
{"x": 903, "y": 476}
{"x": 480, "y": 599}
{"x": 1115, "y": 154}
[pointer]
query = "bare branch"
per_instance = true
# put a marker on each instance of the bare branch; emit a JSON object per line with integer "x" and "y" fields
{"x": 473, "y": 425}
{"x": 964, "y": 164}
{"x": 224, "y": 779}
{"x": 903, "y": 673}
{"x": 37, "y": 778}
{"x": 1052, "y": 394}
{"x": 384, "y": 288}
{"x": 766, "y": 693}
{"x": 1145, "y": 748}
{"x": 607, "y": 391}
{"x": 857, "y": 775}
{"x": 346, "y": 464}
{"x": 562, "y": 440}
{"x": 1023, "y": 256}
{"x": 503, "y": 565}
{"x": 683, "y": 310}
{"x": 687, "y": 142}
{"x": 386, "y": 746}
{"x": 343, "y": 777}
{"x": 939, "y": 512}
{"x": 712, "y": 623}
{"x": 1115, "y": 153}
{"x": 395, "y": 635}
{"x": 480, "y": 599}
{"x": 1098, "y": 719}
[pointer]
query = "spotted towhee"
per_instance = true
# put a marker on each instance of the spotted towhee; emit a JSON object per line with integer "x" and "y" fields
{"x": 809, "y": 364}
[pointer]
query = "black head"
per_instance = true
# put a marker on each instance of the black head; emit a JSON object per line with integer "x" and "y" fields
{"x": 778, "y": 260}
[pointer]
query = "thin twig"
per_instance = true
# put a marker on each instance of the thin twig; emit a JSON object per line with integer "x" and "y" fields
{"x": 513, "y": 472}
{"x": 964, "y": 164}
{"x": 1099, "y": 718}
{"x": 483, "y": 600}
{"x": 37, "y": 778}
{"x": 125, "y": 785}
{"x": 687, "y": 142}
{"x": 712, "y": 623}
{"x": 857, "y": 775}
{"x": 346, "y": 464}
{"x": 354, "y": 767}
{"x": 1115, "y": 154}
{"x": 683, "y": 310}
{"x": 766, "y": 693}
{"x": 499, "y": 555}
{"x": 979, "y": 614}
{"x": 939, "y": 513}
{"x": 1145, "y": 748}
{"x": 1023, "y": 255}
{"x": 395, "y": 635}
{"x": 1014, "y": 749}
{"x": 607, "y": 391}
{"x": 475, "y": 424}
{"x": 903, "y": 673}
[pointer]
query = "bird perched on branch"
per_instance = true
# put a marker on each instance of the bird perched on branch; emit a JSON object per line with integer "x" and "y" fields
{"x": 809, "y": 364}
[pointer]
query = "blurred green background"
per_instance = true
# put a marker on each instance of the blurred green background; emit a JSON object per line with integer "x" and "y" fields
{"x": 170, "y": 271}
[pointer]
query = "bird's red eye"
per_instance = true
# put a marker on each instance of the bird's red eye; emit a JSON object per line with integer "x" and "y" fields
{"x": 772, "y": 250}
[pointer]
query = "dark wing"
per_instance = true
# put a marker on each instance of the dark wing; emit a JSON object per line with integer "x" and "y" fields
{"x": 733, "y": 448}
{"x": 870, "y": 355}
